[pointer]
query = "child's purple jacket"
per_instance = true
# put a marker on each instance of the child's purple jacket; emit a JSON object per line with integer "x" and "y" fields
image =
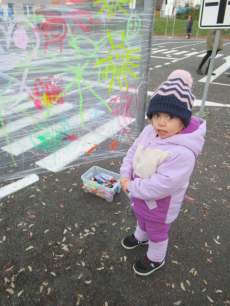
{"x": 160, "y": 170}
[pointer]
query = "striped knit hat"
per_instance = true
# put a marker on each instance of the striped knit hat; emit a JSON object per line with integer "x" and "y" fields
{"x": 174, "y": 97}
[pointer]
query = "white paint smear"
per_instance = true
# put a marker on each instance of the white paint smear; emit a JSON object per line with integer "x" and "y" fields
{"x": 65, "y": 156}
{"x": 11, "y": 188}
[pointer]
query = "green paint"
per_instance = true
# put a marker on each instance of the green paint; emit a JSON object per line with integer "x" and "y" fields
{"x": 119, "y": 58}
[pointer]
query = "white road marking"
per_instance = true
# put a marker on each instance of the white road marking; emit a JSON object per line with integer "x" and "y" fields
{"x": 38, "y": 117}
{"x": 203, "y": 54}
{"x": 63, "y": 157}
{"x": 207, "y": 103}
{"x": 16, "y": 109}
{"x": 24, "y": 144}
{"x": 159, "y": 51}
{"x": 167, "y": 63}
{"x": 11, "y": 188}
{"x": 191, "y": 54}
{"x": 171, "y": 51}
{"x": 218, "y": 72}
{"x": 158, "y": 66}
{"x": 181, "y": 52}
{"x": 163, "y": 57}
{"x": 198, "y": 102}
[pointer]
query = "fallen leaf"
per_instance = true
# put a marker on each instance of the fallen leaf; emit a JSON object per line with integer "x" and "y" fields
{"x": 210, "y": 299}
{"x": 182, "y": 286}
{"x": 205, "y": 281}
{"x": 168, "y": 284}
{"x": 32, "y": 216}
{"x": 12, "y": 285}
{"x": 20, "y": 293}
{"x": 48, "y": 291}
{"x": 100, "y": 268}
{"x": 173, "y": 285}
{"x": 203, "y": 290}
{"x": 218, "y": 291}
{"x": 65, "y": 231}
{"x": 177, "y": 303}
{"x": 41, "y": 289}
{"x": 80, "y": 276}
{"x": 175, "y": 262}
{"x": 61, "y": 206}
{"x": 32, "y": 196}
{"x": 11, "y": 291}
{"x": 88, "y": 282}
{"x": 29, "y": 248}
{"x": 216, "y": 241}
{"x": 223, "y": 201}
{"x": 188, "y": 282}
{"x": 117, "y": 213}
{"x": 9, "y": 269}
{"x": 52, "y": 273}
{"x": 30, "y": 269}
{"x": 46, "y": 231}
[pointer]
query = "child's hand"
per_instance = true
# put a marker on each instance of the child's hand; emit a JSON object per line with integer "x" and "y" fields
{"x": 124, "y": 181}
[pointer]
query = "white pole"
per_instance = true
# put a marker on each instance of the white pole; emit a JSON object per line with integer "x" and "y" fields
{"x": 217, "y": 38}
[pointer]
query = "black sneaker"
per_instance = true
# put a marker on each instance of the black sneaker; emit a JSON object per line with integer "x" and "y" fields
{"x": 198, "y": 71}
{"x": 146, "y": 266}
{"x": 130, "y": 242}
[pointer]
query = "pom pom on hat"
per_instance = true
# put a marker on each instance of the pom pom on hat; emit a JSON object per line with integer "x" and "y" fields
{"x": 183, "y": 74}
{"x": 174, "y": 97}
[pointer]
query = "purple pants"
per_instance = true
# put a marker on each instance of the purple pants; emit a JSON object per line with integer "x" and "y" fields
{"x": 156, "y": 233}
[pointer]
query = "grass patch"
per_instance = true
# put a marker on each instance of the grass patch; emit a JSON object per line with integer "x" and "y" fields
{"x": 179, "y": 29}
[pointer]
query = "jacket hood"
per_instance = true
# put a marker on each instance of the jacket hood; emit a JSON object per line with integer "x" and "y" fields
{"x": 192, "y": 137}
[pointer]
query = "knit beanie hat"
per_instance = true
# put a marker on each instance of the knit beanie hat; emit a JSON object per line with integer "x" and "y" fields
{"x": 174, "y": 97}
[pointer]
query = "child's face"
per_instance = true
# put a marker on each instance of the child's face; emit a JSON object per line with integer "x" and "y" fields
{"x": 166, "y": 125}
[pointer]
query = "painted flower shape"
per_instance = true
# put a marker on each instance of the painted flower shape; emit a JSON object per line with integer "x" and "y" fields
{"x": 47, "y": 93}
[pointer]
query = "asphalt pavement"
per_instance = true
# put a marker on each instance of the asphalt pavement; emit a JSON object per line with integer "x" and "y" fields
{"x": 61, "y": 246}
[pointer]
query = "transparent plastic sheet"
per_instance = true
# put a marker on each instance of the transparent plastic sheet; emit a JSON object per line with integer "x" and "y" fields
{"x": 73, "y": 82}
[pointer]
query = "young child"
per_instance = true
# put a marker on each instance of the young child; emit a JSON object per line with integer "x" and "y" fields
{"x": 158, "y": 166}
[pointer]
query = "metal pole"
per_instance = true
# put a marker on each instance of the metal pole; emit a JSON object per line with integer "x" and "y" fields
{"x": 166, "y": 25}
{"x": 197, "y": 32}
{"x": 173, "y": 25}
{"x": 146, "y": 46}
{"x": 217, "y": 38}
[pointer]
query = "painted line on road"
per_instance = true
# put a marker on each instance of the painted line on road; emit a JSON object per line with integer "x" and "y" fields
{"x": 11, "y": 188}
{"x": 164, "y": 57}
{"x": 63, "y": 157}
{"x": 203, "y": 54}
{"x": 218, "y": 72}
{"x": 198, "y": 102}
{"x": 38, "y": 117}
{"x": 24, "y": 144}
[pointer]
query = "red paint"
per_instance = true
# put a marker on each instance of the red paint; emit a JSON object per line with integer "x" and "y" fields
{"x": 126, "y": 108}
{"x": 79, "y": 17}
{"x": 113, "y": 145}
{"x": 91, "y": 149}
{"x": 49, "y": 29}
{"x": 50, "y": 89}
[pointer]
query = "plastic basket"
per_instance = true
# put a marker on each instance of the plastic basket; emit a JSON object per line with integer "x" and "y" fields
{"x": 99, "y": 189}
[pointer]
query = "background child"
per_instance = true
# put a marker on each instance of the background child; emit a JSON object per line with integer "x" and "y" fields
{"x": 158, "y": 166}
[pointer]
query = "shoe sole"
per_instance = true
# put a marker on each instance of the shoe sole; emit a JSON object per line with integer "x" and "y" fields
{"x": 146, "y": 274}
{"x": 130, "y": 248}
